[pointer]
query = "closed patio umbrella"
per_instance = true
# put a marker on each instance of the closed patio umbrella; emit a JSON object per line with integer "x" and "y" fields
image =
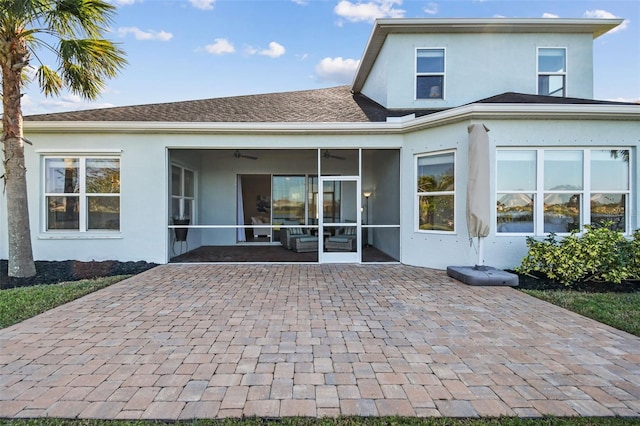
{"x": 479, "y": 213}
{"x": 478, "y": 186}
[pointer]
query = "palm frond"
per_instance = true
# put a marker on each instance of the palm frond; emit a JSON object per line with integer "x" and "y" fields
{"x": 49, "y": 80}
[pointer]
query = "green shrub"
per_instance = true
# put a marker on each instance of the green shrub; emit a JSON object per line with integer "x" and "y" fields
{"x": 600, "y": 254}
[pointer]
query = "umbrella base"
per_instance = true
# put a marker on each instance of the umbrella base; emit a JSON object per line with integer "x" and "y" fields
{"x": 482, "y": 276}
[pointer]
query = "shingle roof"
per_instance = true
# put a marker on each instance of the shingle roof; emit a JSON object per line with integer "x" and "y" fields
{"x": 523, "y": 98}
{"x": 332, "y": 105}
{"x": 336, "y": 104}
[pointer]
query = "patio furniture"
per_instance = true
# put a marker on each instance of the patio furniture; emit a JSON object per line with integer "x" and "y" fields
{"x": 345, "y": 240}
{"x": 260, "y": 231}
{"x": 287, "y": 235}
{"x": 305, "y": 243}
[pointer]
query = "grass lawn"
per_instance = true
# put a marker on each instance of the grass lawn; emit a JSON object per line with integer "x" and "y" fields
{"x": 18, "y": 304}
{"x": 345, "y": 421}
{"x": 619, "y": 310}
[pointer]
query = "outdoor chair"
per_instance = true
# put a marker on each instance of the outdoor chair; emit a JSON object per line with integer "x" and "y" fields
{"x": 305, "y": 243}
{"x": 345, "y": 240}
{"x": 288, "y": 235}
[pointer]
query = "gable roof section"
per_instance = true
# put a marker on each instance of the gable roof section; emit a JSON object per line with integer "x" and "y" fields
{"x": 332, "y": 105}
{"x": 383, "y": 27}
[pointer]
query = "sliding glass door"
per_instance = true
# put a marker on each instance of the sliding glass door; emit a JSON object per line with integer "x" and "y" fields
{"x": 288, "y": 202}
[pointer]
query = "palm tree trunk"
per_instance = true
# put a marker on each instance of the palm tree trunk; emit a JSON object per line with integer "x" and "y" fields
{"x": 19, "y": 233}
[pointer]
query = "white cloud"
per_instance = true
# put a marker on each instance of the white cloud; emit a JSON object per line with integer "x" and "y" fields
{"x": 63, "y": 103}
{"x": 301, "y": 2}
{"x": 202, "y": 4}
{"x": 431, "y": 8}
{"x": 603, "y": 14}
{"x": 144, "y": 35}
{"x": 337, "y": 70}
{"x": 627, "y": 100}
{"x": 123, "y": 2}
{"x": 220, "y": 47}
{"x": 275, "y": 50}
{"x": 550, "y": 15}
{"x": 368, "y": 11}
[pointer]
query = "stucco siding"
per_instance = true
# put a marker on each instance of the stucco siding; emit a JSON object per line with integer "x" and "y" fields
{"x": 143, "y": 207}
{"x": 477, "y": 66}
{"x": 438, "y": 250}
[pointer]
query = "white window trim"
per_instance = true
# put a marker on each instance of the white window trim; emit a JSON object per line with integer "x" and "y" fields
{"x": 585, "y": 192}
{"x": 417, "y": 194}
{"x": 182, "y": 197}
{"x": 565, "y": 73}
{"x": 82, "y": 232}
{"x": 417, "y": 74}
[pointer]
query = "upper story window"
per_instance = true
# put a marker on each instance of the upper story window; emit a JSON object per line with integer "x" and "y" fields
{"x": 183, "y": 184}
{"x": 552, "y": 71}
{"x": 430, "y": 74}
{"x": 435, "y": 192}
{"x": 82, "y": 193}
{"x": 560, "y": 190}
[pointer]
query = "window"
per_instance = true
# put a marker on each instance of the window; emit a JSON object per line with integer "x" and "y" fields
{"x": 560, "y": 190}
{"x": 435, "y": 192}
{"x": 182, "y": 193}
{"x": 82, "y": 193}
{"x": 430, "y": 74}
{"x": 552, "y": 71}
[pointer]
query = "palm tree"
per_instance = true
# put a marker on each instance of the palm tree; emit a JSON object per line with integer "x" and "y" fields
{"x": 72, "y": 30}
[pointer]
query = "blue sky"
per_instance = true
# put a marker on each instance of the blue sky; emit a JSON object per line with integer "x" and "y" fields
{"x": 195, "y": 49}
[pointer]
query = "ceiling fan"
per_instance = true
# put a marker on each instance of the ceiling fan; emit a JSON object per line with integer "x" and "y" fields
{"x": 328, "y": 154}
{"x": 238, "y": 154}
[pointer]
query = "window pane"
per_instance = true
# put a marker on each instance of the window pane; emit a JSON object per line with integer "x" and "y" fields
{"x": 609, "y": 208}
{"x": 551, "y": 60}
{"x": 436, "y": 173}
{"x": 610, "y": 170}
{"x": 104, "y": 213}
{"x": 516, "y": 170}
{"x": 103, "y": 176}
{"x": 63, "y": 213}
{"x": 551, "y": 85}
{"x": 175, "y": 207}
{"x": 62, "y": 175}
{"x": 561, "y": 212}
{"x": 430, "y": 60}
{"x": 562, "y": 170}
{"x": 189, "y": 183}
{"x": 515, "y": 212}
{"x": 436, "y": 213}
{"x": 289, "y": 195}
{"x": 176, "y": 180}
{"x": 431, "y": 86}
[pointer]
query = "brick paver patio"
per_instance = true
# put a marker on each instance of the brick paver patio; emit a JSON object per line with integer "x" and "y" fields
{"x": 207, "y": 341}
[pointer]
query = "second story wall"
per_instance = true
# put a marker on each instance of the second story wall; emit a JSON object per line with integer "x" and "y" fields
{"x": 476, "y": 66}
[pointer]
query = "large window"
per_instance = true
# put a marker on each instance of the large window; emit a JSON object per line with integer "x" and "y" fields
{"x": 435, "y": 192}
{"x": 430, "y": 74}
{"x": 560, "y": 190}
{"x": 82, "y": 193}
{"x": 183, "y": 184}
{"x": 552, "y": 71}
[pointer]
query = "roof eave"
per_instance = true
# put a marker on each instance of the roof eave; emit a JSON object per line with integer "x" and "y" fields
{"x": 467, "y": 112}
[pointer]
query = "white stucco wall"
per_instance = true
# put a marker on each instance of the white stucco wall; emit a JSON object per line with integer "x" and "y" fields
{"x": 143, "y": 207}
{"x": 439, "y": 250}
{"x": 477, "y": 66}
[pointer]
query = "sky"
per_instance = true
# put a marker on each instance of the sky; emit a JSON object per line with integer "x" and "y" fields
{"x": 181, "y": 50}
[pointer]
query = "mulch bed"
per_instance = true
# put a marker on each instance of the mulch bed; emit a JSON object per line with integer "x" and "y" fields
{"x": 540, "y": 282}
{"x": 71, "y": 270}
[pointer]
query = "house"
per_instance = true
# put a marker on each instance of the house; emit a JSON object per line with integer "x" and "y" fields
{"x": 379, "y": 165}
